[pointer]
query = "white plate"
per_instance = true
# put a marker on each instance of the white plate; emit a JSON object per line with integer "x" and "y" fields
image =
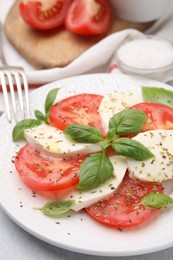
{"x": 78, "y": 233}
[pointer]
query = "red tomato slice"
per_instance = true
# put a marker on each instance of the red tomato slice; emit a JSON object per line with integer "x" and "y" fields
{"x": 122, "y": 209}
{"x": 44, "y": 174}
{"x": 159, "y": 116}
{"x": 79, "y": 109}
{"x": 88, "y": 17}
{"x": 44, "y": 15}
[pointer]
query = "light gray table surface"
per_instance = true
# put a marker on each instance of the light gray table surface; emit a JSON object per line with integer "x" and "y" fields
{"x": 17, "y": 244}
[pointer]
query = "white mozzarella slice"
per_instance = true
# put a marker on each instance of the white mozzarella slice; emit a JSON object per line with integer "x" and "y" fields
{"x": 159, "y": 168}
{"x": 85, "y": 199}
{"x": 116, "y": 102}
{"x": 51, "y": 141}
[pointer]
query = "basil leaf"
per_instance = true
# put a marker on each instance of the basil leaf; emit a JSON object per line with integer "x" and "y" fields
{"x": 46, "y": 119}
{"x": 56, "y": 208}
{"x": 132, "y": 149}
{"x": 158, "y": 95}
{"x": 128, "y": 121}
{"x": 83, "y": 134}
{"x": 94, "y": 171}
{"x": 105, "y": 144}
{"x": 50, "y": 99}
{"x": 156, "y": 200}
{"x": 111, "y": 134}
{"x": 39, "y": 115}
{"x": 18, "y": 130}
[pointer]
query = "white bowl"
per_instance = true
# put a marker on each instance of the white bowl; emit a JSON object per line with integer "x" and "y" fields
{"x": 140, "y": 10}
{"x": 149, "y": 56}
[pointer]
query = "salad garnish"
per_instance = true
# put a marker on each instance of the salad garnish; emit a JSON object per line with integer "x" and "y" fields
{"x": 50, "y": 99}
{"x": 39, "y": 115}
{"x": 83, "y": 134}
{"x": 56, "y": 209}
{"x": 132, "y": 149}
{"x": 94, "y": 171}
{"x": 156, "y": 200}
{"x": 158, "y": 95}
{"x": 127, "y": 122}
{"x": 18, "y": 130}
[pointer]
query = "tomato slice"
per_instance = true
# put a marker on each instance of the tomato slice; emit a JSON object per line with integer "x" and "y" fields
{"x": 122, "y": 209}
{"x": 45, "y": 14}
{"x": 79, "y": 109}
{"x": 89, "y": 17}
{"x": 46, "y": 174}
{"x": 159, "y": 116}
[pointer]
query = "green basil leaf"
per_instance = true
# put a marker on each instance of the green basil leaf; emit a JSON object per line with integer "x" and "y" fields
{"x": 50, "y": 99}
{"x": 128, "y": 121}
{"x": 158, "y": 95}
{"x": 46, "y": 119}
{"x": 111, "y": 134}
{"x": 132, "y": 149}
{"x": 39, "y": 115}
{"x": 83, "y": 134}
{"x": 18, "y": 130}
{"x": 156, "y": 200}
{"x": 56, "y": 208}
{"x": 105, "y": 144}
{"x": 94, "y": 171}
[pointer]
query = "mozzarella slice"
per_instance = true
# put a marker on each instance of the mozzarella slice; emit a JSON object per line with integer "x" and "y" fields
{"x": 51, "y": 141}
{"x": 115, "y": 102}
{"x": 85, "y": 199}
{"x": 159, "y": 168}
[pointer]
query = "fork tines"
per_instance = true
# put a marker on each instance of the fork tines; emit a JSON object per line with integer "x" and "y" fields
{"x": 14, "y": 78}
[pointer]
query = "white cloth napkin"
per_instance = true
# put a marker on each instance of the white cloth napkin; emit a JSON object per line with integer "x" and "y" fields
{"x": 96, "y": 59}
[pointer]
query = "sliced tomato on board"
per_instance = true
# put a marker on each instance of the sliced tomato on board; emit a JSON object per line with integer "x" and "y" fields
{"x": 88, "y": 17}
{"x": 159, "y": 116}
{"x": 44, "y": 174}
{"x": 44, "y": 14}
{"x": 123, "y": 209}
{"x": 79, "y": 109}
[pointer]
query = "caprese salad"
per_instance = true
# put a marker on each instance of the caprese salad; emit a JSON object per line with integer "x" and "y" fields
{"x": 106, "y": 154}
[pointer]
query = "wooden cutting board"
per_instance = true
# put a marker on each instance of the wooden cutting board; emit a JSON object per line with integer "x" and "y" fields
{"x": 55, "y": 48}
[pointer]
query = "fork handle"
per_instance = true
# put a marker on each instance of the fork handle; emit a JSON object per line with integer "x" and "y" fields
{"x": 2, "y": 57}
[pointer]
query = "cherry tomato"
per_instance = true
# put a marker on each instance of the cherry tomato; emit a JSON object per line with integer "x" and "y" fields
{"x": 159, "y": 116}
{"x": 44, "y": 15}
{"x": 123, "y": 209}
{"x": 79, "y": 109}
{"x": 44, "y": 174}
{"x": 88, "y": 17}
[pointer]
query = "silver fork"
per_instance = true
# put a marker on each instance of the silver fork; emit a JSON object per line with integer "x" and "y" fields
{"x": 13, "y": 76}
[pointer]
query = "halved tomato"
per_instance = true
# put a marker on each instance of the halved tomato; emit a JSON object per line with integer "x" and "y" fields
{"x": 44, "y": 14}
{"x": 159, "y": 116}
{"x": 123, "y": 209}
{"x": 45, "y": 174}
{"x": 79, "y": 109}
{"x": 88, "y": 17}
